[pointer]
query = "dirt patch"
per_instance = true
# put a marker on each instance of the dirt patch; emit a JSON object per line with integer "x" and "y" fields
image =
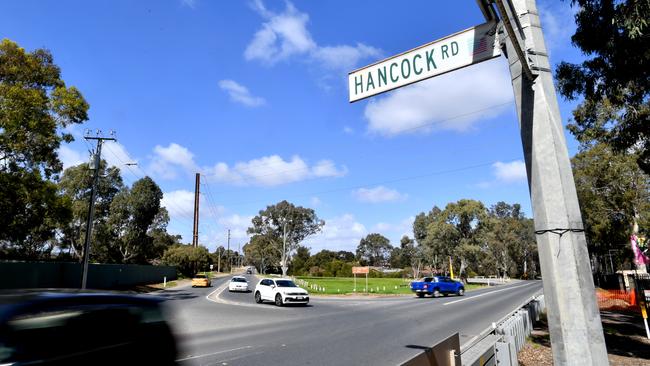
{"x": 625, "y": 338}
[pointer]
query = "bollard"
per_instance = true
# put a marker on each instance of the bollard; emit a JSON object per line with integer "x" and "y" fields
{"x": 165, "y": 281}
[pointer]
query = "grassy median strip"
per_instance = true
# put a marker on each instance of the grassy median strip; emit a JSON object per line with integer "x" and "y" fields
{"x": 345, "y": 285}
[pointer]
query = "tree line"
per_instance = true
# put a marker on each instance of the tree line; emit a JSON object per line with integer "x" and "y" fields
{"x": 498, "y": 240}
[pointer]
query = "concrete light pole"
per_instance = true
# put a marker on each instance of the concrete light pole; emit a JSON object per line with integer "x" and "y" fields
{"x": 573, "y": 315}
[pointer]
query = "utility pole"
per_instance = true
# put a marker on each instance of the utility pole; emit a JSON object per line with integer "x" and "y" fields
{"x": 228, "y": 253}
{"x": 574, "y": 319}
{"x": 239, "y": 254}
{"x": 195, "y": 230}
{"x": 91, "y": 205}
{"x": 219, "y": 260}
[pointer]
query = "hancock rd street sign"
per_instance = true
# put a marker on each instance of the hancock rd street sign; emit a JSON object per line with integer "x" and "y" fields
{"x": 450, "y": 53}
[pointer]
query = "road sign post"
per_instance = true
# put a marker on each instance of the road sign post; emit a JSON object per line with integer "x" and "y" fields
{"x": 574, "y": 319}
{"x": 360, "y": 270}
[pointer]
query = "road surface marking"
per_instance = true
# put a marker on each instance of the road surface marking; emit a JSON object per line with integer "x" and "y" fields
{"x": 212, "y": 354}
{"x": 485, "y": 293}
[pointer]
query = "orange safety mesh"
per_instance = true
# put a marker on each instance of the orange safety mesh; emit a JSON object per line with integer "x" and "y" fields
{"x": 617, "y": 300}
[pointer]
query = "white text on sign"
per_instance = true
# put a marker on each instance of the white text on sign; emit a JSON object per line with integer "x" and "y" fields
{"x": 458, "y": 50}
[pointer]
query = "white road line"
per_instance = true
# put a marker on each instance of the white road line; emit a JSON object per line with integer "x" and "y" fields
{"x": 213, "y": 353}
{"x": 221, "y": 289}
{"x": 485, "y": 293}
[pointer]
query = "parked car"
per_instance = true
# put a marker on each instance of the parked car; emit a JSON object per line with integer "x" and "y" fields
{"x": 238, "y": 283}
{"x": 83, "y": 328}
{"x": 281, "y": 291}
{"x": 201, "y": 280}
{"x": 249, "y": 270}
{"x": 436, "y": 286}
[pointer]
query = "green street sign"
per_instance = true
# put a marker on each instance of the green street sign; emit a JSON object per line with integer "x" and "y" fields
{"x": 447, "y": 54}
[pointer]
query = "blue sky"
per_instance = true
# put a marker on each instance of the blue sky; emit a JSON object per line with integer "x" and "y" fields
{"x": 253, "y": 95}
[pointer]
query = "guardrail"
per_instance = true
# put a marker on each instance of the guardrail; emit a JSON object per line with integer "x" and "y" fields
{"x": 498, "y": 344}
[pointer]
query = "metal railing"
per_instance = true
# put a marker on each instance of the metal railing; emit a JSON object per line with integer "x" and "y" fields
{"x": 498, "y": 344}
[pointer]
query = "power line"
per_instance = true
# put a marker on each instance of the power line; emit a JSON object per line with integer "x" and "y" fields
{"x": 442, "y": 172}
{"x": 243, "y": 179}
{"x": 180, "y": 212}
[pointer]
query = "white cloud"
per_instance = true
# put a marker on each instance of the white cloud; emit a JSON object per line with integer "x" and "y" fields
{"x": 443, "y": 103}
{"x": 514, "y": 171}
{"x": 273, "y": 170}
{"x": 70, "y": 157}
{"x": 179, "y": 203}
{"x": 238, "y": 224}
{"x": 327, "y": 168}
{"x": 116, "y": 155}
{"x": 378, "y": 194}
{"x": 345, "y": 57}
{"x": 282, "y": 35}
{"x": 339, "y": 233}
{"x": 240, "y": 94}
{"x": 348, "y": 130}
{"x": 167, "y": 160}
{"x": 285, "y": 34}
{"x": 189, "y": 3}
{"x": 315, "y": 201}
{"x": 395, "y": 231}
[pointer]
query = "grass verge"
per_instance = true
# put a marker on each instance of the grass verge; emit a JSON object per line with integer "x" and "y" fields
{"x": 345, "y": 285}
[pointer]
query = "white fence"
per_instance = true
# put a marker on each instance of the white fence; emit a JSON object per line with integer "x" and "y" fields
{"x": 490, "y": 281}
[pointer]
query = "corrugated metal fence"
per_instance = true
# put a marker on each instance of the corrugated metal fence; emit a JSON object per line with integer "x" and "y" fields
{"x": 15, "y": 275}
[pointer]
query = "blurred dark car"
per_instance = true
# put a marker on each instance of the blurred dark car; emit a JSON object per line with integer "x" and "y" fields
{"x": 75, "y": 328}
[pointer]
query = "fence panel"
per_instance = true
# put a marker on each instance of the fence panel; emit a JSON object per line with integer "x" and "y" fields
{"x": 16, "y": 275}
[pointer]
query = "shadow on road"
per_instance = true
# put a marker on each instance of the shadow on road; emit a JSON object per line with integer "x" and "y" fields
{"x": 177, "y": 295}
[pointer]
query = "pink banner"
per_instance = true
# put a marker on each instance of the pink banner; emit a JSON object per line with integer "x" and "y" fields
{"x": 640, "y": 249}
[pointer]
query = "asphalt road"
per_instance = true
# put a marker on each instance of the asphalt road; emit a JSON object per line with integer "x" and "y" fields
{"x": 230, "y": 329}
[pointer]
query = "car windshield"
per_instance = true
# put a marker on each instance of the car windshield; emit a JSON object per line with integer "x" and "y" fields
{"x": 199, "y": 276}
{"x": 238, "y": 279}
{"x": 285, "y": 283}
{"x": 426, "y": 279}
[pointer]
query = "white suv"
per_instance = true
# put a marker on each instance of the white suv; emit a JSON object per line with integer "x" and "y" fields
{"x": 281, "y": 291}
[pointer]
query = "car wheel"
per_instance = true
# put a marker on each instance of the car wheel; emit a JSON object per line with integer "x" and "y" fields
{"x": 461, "y": 291}
{"x": 436, "y": 293}
{"x": 258, "y": 298}
{"x": 278, "y": 300}
{"x": 445, "y": 294}
{"x": 420, "y": 294}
